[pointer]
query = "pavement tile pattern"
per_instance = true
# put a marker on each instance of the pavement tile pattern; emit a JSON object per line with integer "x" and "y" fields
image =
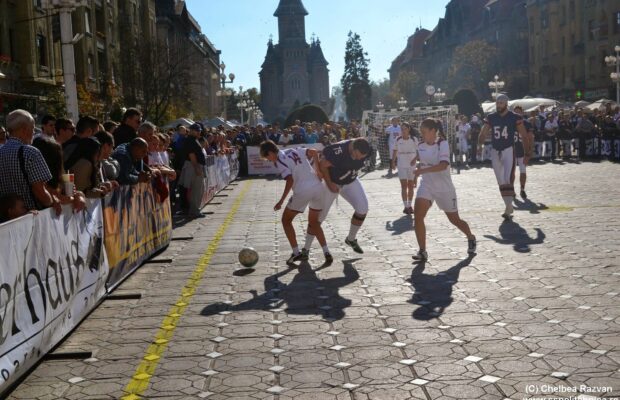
{"x": 538, "y": 304}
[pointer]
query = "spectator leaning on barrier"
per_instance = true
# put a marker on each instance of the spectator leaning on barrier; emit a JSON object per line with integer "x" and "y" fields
{"x": 109, "y": 168}
{"x": 64, "y": 130}
{"x": 127, "y": 130}
{"x": 24, "y": 171}
{"x": 86, "y": 127}
{"x": 87, "y": 169}
{"x": 52, "y": 154}
{"x": 130, "y": 157}
{"x": 193, "y": 171}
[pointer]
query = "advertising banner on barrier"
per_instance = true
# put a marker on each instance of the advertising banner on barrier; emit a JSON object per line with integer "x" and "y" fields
{"x": 259, "y": 166}
{"x": 53, "y": 271}
{"x": 220, "y": 171}
{"x": 138, "y": 223}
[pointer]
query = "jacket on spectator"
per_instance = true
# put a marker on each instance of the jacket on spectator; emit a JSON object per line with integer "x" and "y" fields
{"x": 124, "y": 134}
{"x": 129, "y": 168}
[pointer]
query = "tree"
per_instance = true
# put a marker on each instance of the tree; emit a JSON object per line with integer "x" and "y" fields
{"x": 355, "y": 83}
{"x": 56, "y": 103}
{"x": 472, "y": 65}
{"x": 409, "y": 85}
{"x": 383, "y": 92}
{"x": 88, "y": 104}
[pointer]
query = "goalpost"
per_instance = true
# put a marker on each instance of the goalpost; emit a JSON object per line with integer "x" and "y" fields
{"x": 375, "y": 122}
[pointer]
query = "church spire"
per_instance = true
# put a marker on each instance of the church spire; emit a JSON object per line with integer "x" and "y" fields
{"x": 290, "y": 7}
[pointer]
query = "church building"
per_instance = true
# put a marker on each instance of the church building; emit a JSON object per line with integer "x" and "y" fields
{"x": 294, "y": 72}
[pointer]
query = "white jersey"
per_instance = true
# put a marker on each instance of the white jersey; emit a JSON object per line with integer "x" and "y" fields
{"x": 294, "y": 162}
{"x": 431, "y": 155}
{"x": 395, "y": 133}
{"x": 462, "y": 131}
{"x": 406, "y": 151}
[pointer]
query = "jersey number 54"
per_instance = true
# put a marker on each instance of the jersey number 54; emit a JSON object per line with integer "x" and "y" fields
{"x": 498, "y": 132}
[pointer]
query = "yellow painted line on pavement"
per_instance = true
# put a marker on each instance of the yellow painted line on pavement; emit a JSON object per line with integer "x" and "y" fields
{"x": 142, "y": 376}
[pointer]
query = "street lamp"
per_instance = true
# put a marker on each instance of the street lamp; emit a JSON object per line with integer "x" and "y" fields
{"x": 67, "y": 40}
{"x": 496, "y": 85}
{"x": 242, "y": 104}
{"x": 439, "y": 96}
{"x": 614, "y": 61}
{"x": 222, "y": 78}
{"x": 402, "y": 103}
{"x": 380, "y": 106}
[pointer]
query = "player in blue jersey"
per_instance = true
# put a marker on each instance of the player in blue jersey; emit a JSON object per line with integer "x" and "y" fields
{"x": 503, "y": 125}
{"x": 339, "y": 166}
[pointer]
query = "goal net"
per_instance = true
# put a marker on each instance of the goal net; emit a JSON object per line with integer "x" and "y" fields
{"x": 374, "y": 125}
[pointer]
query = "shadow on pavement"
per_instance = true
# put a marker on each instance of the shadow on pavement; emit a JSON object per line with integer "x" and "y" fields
{"x": 300, "y": 296}
{"x": 433, "y": 293}
{"x": 529, "y": 205}
{"x": 513, "y": 234}
{"x": 401, "y": 225}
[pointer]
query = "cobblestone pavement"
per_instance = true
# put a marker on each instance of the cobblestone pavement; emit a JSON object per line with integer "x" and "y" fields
{"x": 536, "y": 309}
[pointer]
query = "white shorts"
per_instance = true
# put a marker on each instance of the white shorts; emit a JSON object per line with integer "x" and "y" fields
{"x": 502, "y": 162}
{"x": 463, "y": 147}
{"x": 313, "y": 196}
{"x": 352, "y": 192}
{"x": 406, "y": 173}
{"x": 521, "y": 165}
{"x": 446, "y": 199}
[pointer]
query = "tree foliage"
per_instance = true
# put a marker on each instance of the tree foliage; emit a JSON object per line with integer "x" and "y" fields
{"x": 473, "y": 64}
{"x": 355, "y": 83}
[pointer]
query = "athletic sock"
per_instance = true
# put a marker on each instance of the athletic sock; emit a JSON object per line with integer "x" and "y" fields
{"x": 325, "y": 249}
{"x": 296, "y": 250}
{"x": 408, "y": 203}
{"x": 309, "y": 240}
{"x": 508, "y": 202}
{"x": 405, "y": 203}
{"x": 353, "y": 231}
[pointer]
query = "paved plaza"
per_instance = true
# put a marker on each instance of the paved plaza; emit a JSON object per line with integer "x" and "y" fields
{"x": 534, "y": 313}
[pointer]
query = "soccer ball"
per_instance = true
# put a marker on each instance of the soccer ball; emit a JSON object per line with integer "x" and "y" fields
{"x": 248, "y": 257}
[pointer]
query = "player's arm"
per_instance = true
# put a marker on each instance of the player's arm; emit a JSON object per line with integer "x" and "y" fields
{"x": 287, "y": 190}
{"x": 325, "y": 165}
{"x": 313, "y": 156}
{"x": 483, "y": 135}
{"x": 435, "y": 168}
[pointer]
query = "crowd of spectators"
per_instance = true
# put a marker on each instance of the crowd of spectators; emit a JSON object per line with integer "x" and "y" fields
{"x": 98, "y": 157}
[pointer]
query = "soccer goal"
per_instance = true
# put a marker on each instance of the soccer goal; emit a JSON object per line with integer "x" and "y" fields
{"x": 375, "y": 122}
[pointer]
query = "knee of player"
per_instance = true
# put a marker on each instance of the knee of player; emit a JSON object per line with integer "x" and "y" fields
{"x": 360, "y": 216}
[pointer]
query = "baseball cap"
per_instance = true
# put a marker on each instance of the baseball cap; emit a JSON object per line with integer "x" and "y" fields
{"x": 502, "y": 97}
{"x": 195, "y": 127}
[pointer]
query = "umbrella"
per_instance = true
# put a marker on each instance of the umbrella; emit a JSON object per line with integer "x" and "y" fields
{"x": 600, "y": 104}
{"x": 582, "y": 103}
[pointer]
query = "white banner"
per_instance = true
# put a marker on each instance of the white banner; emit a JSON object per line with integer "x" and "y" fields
{"x": 259, "y": 166}
{"x": 52, "y": 273}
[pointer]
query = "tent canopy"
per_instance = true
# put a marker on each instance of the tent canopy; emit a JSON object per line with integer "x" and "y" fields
{"x": 600, "y": 104}
{"x": 215, "y": 122}
{"x": 528, "y": 103}
{"x": 181, "y": 121}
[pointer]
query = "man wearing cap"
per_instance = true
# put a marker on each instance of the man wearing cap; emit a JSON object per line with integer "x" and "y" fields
{"x": 504, "y": 126}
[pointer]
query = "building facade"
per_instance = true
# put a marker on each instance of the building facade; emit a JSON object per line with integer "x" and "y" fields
{"x": 108, "y": 57}
{"x": 500, "y": 23}
{"x": 294, "y": 72}
{"x": 569, "y": 40}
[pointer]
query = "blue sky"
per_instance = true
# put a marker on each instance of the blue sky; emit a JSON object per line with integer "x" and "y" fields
{"x": 241, "y": 29}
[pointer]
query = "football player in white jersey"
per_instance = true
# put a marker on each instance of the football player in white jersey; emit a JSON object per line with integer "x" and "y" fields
{"x": 394, "y": 132}
{"x": 462, "y": 133}
{"x": 436, "y": 185}
{"x": 404, "y": 156}
{"x": 300, "y": 168}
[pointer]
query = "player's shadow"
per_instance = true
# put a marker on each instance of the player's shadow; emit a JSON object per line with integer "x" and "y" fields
{"x": 529, "y": 205}
{"x": 400, "y": 225}
{"x": 511, "y": 233}
{"x": 433, "y": 293}
{"x": 300, "y": 296}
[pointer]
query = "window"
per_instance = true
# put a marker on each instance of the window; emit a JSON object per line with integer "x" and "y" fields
{"x": 591, "y": 29}
{"x": 544, "y": 19}
{"x": 571, "y": 10}
{"x": 91, "y": 67}
{"x": 87, "y": 21}
{"x": 41, "y": 50}
{"x": 616, "y": 22}
{"x": 37, "y": 3}
{"x": 563, "y": 45}
{"x": 563, "y": 15}
{"x": 603, "y": 26}
{"x": 591, "y": 66}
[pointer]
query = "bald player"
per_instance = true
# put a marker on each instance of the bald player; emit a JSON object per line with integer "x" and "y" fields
{"x": 503, "y": 125}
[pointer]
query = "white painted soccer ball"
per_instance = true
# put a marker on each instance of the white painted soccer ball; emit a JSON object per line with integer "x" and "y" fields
{"x": 248, "y": 257}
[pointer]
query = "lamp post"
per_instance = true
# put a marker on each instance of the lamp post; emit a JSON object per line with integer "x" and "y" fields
{"x": 439, "y": 96}
{"x": 67, "y": 40}
{"x": 380, "y": 106}
{"x": 402, "y": 103}
{"x": 242, "y": 104}
{"x": 614, "y": 61}
{"x": 496, "y": 85}
{"x": 223, "y": 93}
